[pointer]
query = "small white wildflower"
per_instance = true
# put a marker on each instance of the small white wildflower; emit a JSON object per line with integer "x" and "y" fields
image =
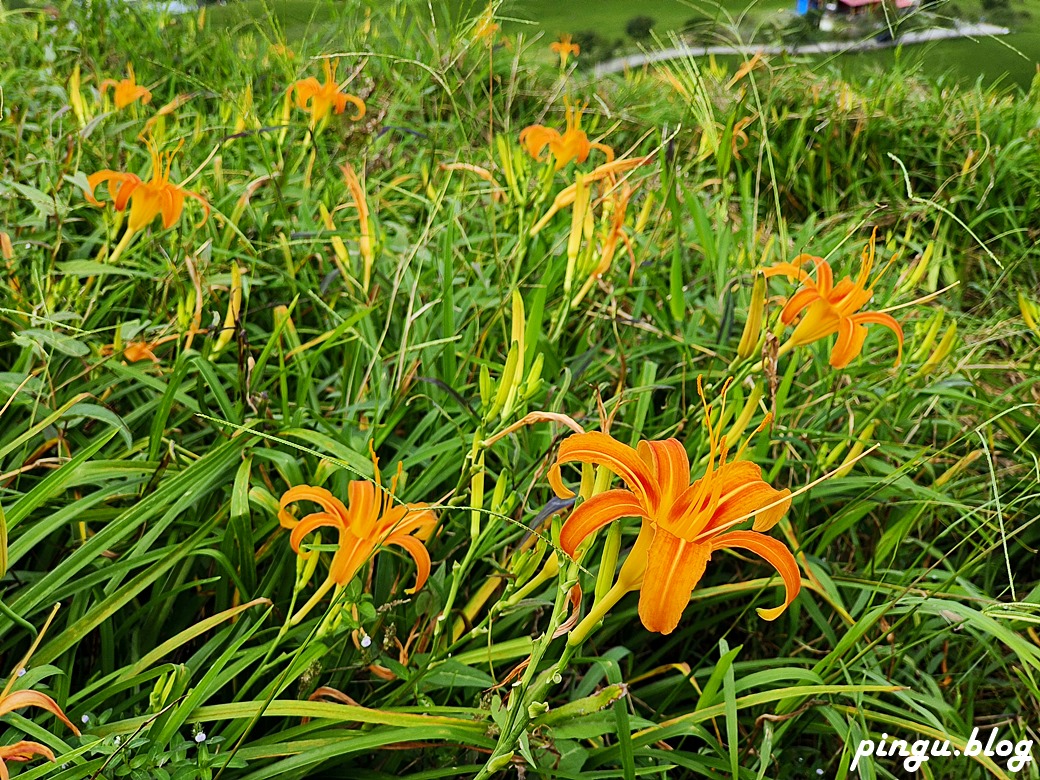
{"x": 366, "y": 640}
{"x": 85, "y": 719}
{"x": 200, "y": 737}
{"x": 21, "y": 672}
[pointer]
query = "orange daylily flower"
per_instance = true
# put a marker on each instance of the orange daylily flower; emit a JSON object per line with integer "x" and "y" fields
{"x": 371, "y": 523}
{"x": 126, "y": 90}
{"x": 318, "y": 99}
{"x": 572, "y": 144}
{"x": 485, "y": 27}
{"x": 147, "y": 199}
{"x": 26, "y": 750}
{"x": 682, "y": 523}
{"x": 827, "y": 308}
{"x": 565, "y": 48}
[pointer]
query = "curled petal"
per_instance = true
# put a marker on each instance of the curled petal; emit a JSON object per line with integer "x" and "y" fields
{"x": 775, "y": 553}
{"x": 797, "y": 304}
{"x": 312, "y": 523}
{"x": 415, "y": 519}
{"x": 888, "y": 321}
{"x": 674, "y": 567}
{"x": 742, "y": 501}
{"x": 536, "y": 137}
{"x": 318, "y": 495}
{"x": 305, "y": 90}
{"x": 19, "y": 699}
{"x": 607, "y": 150}
{"x": 21, "y": 752}
{"x": 127, "y": 182}
{"x": 596, "y": 512}
{"x": 343, "y": 98}
{"x": 671, "y": 465}
{"x": 603, "y": 450}
{"x": 849, "y": 344}
{"x": 791, "y": 271}
{"x": 202, "y": 202}
{"x": 419, "y": 554}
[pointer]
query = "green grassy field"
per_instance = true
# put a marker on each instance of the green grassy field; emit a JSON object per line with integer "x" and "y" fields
{"x": 404, "y": 422}
{"x": 1009, "y": 60}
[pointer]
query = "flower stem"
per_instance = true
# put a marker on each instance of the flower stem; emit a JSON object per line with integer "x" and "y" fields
{"x": 599, "y": 610}
{"x": 319, "y": 594}
{"x": 121, "y": 247}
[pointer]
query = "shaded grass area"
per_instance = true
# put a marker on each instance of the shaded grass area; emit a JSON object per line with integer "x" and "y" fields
{"x": 1007, "y": 60}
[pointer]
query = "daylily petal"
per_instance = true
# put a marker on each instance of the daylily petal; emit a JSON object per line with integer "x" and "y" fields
{"x": 419, "y": 554}
{"x": 21, "y": 752}
{"x": 671, "y": 465}
{"x": 888, "y": 321}
{"x": 775, "y": 553}
{"x": 341, "y": 103}
{"x": 364, "y": 506}
{"x": 596, "y": 512}
{"x": 849, "y": 344}
{"x": 819, "y": 321}
{"x": 311, "y": 523}
{"x": 791, "y": 271}
{"x": 797, "y": 303}
{"x": 416, "y": 519}
{"x": 674, "y": 567}
{"x": 352, "y": 554}
{"x": 747, "y": 500}
{"x": 318, "y": 495}
{"x": 536, "y": 137}
{"x": 603, "y": 450}
{"x": 19, "y": 699}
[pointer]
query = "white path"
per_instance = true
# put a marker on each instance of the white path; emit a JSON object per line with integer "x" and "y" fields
{"x": 826, "y": 47}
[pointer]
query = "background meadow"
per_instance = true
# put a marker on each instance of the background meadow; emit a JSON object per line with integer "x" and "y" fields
{"x": 156, "y": 406}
